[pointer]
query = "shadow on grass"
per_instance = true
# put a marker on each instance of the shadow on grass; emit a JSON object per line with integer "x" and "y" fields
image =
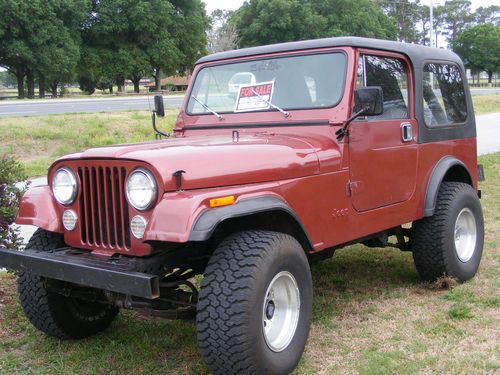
{"x": 358, "y": 274}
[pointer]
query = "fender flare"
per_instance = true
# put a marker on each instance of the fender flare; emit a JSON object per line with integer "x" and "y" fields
{"x": 437, "y": 176}
{"x": 206, "y": 223}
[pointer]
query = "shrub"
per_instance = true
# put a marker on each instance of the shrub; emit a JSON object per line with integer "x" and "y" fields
{"x": 11, "y": 189}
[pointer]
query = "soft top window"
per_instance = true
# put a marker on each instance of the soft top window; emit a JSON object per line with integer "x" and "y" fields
{"x": 291, "y": 82}
{"x": 444, "y": 95}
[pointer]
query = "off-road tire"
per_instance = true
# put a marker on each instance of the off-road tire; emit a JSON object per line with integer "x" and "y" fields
{"x": 52, "y": 313}
{"x": 432, "y": 240}
{"x": 229, "y": 318}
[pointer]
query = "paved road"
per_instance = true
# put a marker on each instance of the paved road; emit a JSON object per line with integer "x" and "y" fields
{"x": 53, "y": 106}
{"x": 47, "y": 107}
{"x": 488, "y": 134}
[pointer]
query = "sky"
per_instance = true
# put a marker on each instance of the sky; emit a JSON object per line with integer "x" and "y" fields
{"x": 211, "y": 5}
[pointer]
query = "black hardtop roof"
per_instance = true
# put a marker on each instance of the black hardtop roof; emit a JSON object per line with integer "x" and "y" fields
{"x": 415, "y": 52}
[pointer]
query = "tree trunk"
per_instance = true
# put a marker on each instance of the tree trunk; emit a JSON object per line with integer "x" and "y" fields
{"x": 120, "y": 83}
{"x": 490, "y": 77}
{"x": 111, "y": 89}
{"x": 41, "y": 86}
{"x": 20, "y": 83}
{"x": 30, "y": 80}
{"x": 53, "y": 88}
{"x": 136, "y": 81}
{"x": 157, "y": 79}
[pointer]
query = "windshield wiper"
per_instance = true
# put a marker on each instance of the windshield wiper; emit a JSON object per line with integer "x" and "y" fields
{"x": 207, "y": 108}
{"x": 285, "y": 113}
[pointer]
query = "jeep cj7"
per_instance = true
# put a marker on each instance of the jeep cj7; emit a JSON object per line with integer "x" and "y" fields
{"x": 280, "y": 154}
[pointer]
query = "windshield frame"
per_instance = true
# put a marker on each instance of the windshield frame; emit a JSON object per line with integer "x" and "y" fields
{"x": 269, "y": 57}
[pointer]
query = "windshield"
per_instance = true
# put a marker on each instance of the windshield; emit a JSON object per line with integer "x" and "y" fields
{"x": 294, "y": 82}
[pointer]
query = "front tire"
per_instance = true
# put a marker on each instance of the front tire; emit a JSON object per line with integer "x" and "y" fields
{"x": 451, "y": 241}
{"x": 255, "y": 304}
{"x": 52, "y": 313}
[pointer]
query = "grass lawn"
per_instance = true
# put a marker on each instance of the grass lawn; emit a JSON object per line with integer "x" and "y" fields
{"x": 486, "y": 103}
{"x": 372, "y": 315}
{"x": 38, "y": 141}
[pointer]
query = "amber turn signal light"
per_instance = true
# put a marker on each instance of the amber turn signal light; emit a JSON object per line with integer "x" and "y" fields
{"x": 222, "y": 201}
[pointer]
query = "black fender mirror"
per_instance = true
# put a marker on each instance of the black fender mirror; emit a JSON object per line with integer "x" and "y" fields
{"x": 159, "y": 107}
{"x": 369, "y": 100}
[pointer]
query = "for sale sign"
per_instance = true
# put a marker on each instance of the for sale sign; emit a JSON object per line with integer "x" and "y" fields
{"x": 254, "y": 97}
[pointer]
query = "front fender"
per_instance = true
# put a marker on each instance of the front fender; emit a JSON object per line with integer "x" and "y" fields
{"x": 185, "y": 216}
{"x": 38, "y": 208}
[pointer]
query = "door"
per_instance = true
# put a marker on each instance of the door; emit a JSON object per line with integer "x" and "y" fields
{"x": 383, "y": 149}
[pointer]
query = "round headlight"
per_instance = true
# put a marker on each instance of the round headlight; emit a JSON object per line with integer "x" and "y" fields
{"x": 141, "y": 189}
{"x": 64, "y": 186}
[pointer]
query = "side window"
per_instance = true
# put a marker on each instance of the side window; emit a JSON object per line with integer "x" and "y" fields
{"x": 444, "y": 95}
{"x": 390, "y": 74}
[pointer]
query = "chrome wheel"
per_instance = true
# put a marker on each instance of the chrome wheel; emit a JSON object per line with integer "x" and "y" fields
{"x": 465, "y": 234}
{"x": 280, "y": 311}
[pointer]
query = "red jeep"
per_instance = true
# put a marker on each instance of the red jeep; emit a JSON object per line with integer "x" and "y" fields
{"x": 280, "y": 154}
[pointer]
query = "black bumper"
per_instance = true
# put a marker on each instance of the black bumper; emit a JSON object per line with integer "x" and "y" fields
{"x": 113, "y": 274}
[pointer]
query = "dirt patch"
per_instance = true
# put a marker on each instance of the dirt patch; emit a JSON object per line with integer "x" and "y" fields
{"x": 443, "y": 283}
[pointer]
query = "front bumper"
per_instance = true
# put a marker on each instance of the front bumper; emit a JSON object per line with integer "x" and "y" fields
{"x": 118, "y": 275}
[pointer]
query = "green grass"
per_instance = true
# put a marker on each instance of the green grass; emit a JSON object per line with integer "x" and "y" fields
{"x": 486, "y": 103}
{"x": 372, "y": 315}
{"x": 38, "y": 141}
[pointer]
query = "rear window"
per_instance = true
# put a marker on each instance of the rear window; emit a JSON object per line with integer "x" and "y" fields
{"x": 444, "y": 95}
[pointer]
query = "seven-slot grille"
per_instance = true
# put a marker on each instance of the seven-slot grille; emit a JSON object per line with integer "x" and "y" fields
{"x": 103, "y": 207}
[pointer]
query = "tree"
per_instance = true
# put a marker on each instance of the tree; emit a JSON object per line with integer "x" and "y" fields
{"x": 356, "y": 18}
{"x": 454, "y": 16}
{"x": 40, "y": 39}
{"x": 424, "y": 23}
{"x": 263, "y": 22}
{"x": 132, "y": 38}
{"x": 489, "y": 14}
{"x": 479, "y": 47}
{"x": 406, "y": 14}
{"x": 222, "y": 35}
{"x": 272, "y": 21}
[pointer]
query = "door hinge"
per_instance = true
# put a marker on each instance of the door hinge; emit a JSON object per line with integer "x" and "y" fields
{"x": 348, "y": 189}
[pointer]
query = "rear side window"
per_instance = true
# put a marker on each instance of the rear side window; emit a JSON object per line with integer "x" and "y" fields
{"x": 444, "y": 95}
{"x": 390, "y": 74}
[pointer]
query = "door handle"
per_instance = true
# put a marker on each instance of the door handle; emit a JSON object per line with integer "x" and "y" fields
{"x": 406, "y": 132}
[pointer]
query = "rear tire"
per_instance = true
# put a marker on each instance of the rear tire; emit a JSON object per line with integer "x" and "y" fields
{"x": 255, "y": 304}
{"x": 52, "y": 313}
{"x": 451, "y": 241}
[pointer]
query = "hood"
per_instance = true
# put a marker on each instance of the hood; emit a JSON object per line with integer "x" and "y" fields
{"x": 215, "y": 161}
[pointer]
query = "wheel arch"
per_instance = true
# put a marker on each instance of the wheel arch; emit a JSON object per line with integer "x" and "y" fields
{"x": 448, "y": 168}
{"x": 264, "y": 213}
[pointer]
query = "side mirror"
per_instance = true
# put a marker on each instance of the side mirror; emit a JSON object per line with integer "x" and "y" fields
{"x": 370, "y": 99}
{"x": 159, "y": 107}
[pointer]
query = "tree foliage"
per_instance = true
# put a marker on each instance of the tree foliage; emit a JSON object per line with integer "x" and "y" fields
{"x": 40, "y": 39}
{"x": 100, "y": 42}
{"x": 11, "y": 174}
{"x": 479, "y": 47}
{"x": 222, "y": 35}
{"x": 272, "y": 21}
{"x": 489, "y": 14}
{"x": 407, "y": 14}
{"x": 452, "y": 17}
